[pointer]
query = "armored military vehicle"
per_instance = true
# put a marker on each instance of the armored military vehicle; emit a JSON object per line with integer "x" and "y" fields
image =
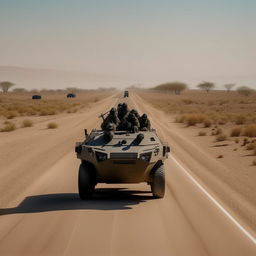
{"x": 126, "y": 94}
{"x": 71, "y": 95}
{"x": 125, "y": 157}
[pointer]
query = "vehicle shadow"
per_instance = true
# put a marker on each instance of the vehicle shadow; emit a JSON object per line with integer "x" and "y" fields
{"x": 103, "y": 199}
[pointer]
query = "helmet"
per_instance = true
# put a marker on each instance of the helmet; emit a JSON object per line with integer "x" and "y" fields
{"x": 144, "y": 116}
{"x": 110, "y": 127}
{"x": 112, "y": 111}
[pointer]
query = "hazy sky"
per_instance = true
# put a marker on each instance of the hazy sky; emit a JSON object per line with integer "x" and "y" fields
{"x": 147, "y": 40}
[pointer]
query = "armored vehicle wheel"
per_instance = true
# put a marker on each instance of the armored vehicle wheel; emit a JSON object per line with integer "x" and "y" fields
{"x": 86, "y": 183}
{"x": 158, "y": 183}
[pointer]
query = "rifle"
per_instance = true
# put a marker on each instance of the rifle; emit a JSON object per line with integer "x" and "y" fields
{"x": 103, "y": 115}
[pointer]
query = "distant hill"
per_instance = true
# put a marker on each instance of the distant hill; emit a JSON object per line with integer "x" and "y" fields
{"x": 31, "y": 78}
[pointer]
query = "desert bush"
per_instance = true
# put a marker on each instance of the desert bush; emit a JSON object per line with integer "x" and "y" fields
{"x": 222, "y": 121}
{"x": 10, "y": 114}
{"x": 174, "y": 87}
{"x": 235, "y": 132}
{"x": 187, "y": 101}
{"x": 241, "y": 119}
{"x": 5, "y": 86}
{"x": 254, "y": 162}
{"x": 207, "y": 86}
{"x": 52, "y": 125}
{"x": 220, "y": 156}
{"x": 202, "y": 133}
{"x": 193, "y": 119}
{"x": 216, "y": 131}
{"x": 229, "y": 86}
{"x": 8, "y": 127}
{"x": 244, "y": 90}
{"x": 236, "y": 140}
{"x": 251, "y": 146}
{"x": 27, "y": 123}
{"x": 250, "y": 131}
{"x": 180, "y": 119}
{"x": 245, "y": 141}
{"x": 221, "y": 137}
{"x": 207, "y": 123}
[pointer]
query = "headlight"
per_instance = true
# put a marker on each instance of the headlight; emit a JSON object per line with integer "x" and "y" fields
{"x": 101, "y": 156}
{"x": 146, "y": 156}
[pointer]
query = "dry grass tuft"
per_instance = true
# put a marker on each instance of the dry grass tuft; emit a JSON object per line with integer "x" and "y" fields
{"x": 27, "y": 123}
{"x": 245, "y": 141}
{"x": 52, "y": 125}
{"x": 250, "y": 130}
{"x": 221, "y": 137}
{"x": 207, "y": 123}
{"x": 240, "y": 119}
{"x": 235, "y": 132}
{"x": 251, "y": 146}
{"x": 8, "y": 127}
{"x": 10, "y": 114}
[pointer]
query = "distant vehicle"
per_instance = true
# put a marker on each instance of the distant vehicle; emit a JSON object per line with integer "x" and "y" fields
{"x": 126, "y": 94}
{"x": 71, "y": 95}
{"x": 126, "y": 158}
{"x": 36, "y": 97}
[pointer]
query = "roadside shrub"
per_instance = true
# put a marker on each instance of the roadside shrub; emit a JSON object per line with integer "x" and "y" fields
{"x": 221, "y": 137}
{"x": 193, "y": 119}
{"x": 202, "y": 133}
{"x": 235, "y": 132}
{"x": 27, "y": 123}
{"x": 187, "y": 101}
{"x": 240, "y": 119}
{"x": 250, "y": 131}
{"x": 8, "y": 127}
{"x": 251, "y": 146}
{"x": 245, "y": 142}
{"x": 218, "y": 131}
{"x": 10, "y": 114}
{"x": 207, "y": 123}
{"x": 52, "y": 125}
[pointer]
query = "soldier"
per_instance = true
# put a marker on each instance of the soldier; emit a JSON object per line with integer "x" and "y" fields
{"x": 135, "y": 112}
{"x": 144, "y": 123}
{"x": 111, "y": 118}
{"x": 123, "y": 111}
{"x": 133, "y": 120}
{"x": 109, "y": 132}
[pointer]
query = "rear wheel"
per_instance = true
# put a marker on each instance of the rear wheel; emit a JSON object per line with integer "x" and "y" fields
{"x": 158, "y": 183}
{"x": 86, "y": 182}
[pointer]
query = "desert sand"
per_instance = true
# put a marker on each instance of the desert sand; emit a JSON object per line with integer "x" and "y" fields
{"x": 41, "y": 213}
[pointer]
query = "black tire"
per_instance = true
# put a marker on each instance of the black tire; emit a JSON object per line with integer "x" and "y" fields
{"x": 158, "y": 182}
{"x": 86, "y": 183}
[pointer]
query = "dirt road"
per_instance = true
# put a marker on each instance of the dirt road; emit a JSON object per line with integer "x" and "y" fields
{"x": 41, "y": 213}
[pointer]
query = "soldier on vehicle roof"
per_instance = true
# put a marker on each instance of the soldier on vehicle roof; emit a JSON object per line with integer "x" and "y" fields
{"x": 123, "y": 111}
{"x": 144, "y": 123}
{"x": 111, "y": 118}
{"x": 109, "y": 132}
{"x": 133, "y": 120}
{"x": 135, "y": 112}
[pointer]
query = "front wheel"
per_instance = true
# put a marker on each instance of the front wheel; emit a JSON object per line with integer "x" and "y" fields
{"x": 158, "y": 183}
{"x": 86, "y": 183}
